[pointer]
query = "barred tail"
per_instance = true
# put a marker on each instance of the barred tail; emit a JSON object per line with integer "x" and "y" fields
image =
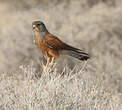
{"x": 79, "y": 55}
{"x": 76, "y": 53}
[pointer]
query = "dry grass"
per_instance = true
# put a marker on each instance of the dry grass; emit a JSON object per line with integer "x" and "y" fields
{"x": 92, "y": 25}
{"x": 80, "y": 90}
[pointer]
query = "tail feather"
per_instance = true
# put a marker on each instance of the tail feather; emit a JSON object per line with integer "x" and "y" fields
{"x": 77, "y": 53}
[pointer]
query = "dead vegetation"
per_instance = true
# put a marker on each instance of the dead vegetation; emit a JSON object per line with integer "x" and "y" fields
{"x": 92, "y": 25}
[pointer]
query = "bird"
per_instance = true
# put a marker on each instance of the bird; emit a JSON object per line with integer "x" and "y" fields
{"x": 52, "y": 47}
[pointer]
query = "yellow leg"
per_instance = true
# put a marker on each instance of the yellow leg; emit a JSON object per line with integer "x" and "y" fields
{"x": 48, "y": 61}
{"x": 47, "y": 64}
{"x": 52, "y": 61}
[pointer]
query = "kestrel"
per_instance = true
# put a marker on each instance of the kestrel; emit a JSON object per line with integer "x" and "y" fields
{"x": 52, "y": 47}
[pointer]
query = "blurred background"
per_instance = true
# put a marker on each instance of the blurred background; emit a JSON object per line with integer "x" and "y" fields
{"x": 91, "y": 25}
{"x": 94, "y": 26}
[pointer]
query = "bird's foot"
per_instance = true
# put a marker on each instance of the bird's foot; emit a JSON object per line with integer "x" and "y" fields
{"x": 45, "y": 68}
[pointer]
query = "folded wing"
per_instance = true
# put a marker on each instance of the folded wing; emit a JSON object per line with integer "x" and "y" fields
{"x": 56, "y": 44}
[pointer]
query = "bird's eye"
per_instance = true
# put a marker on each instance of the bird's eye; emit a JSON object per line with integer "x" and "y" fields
{"x": 38, "y": 24}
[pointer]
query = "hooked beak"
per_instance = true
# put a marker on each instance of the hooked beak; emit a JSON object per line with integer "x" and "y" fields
{"x": 34, "y": 26}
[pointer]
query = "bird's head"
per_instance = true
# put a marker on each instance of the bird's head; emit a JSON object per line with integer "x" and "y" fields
{"x": 39, "y": 28}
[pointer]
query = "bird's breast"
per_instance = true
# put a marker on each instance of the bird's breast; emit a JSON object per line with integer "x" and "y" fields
{"x": 41, "y": 44}
{"x": 51, "y": 52}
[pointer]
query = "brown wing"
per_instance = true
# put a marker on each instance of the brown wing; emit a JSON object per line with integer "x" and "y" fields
{"x": 53, "y": 42}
